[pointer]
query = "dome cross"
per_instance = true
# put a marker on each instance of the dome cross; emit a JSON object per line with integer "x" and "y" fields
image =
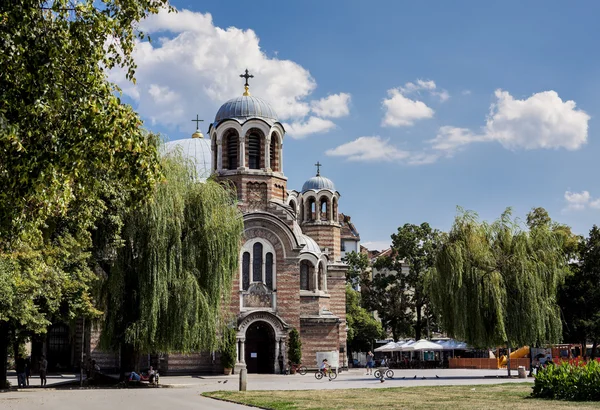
{"x": 247, "y": 76}
{"x": 318, "y": 165}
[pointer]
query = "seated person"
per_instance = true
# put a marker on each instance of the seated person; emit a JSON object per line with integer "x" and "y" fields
{"x": 151, "y": 375}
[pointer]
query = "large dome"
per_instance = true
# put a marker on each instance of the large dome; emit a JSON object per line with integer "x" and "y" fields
{"x": 317, "y": 183}
{"x": 196, "y": 150}
{"x": 245, "y": 107}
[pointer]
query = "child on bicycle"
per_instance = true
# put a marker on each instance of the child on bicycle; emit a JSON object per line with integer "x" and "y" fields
{"x": 325, "y": 367}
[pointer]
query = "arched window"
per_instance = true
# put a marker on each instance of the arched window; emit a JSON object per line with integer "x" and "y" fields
{"x": 257, "y": 261}
{"x": 313, "y": 209}
{"x": 269, "y": 270}
{"x": 245, "y": 270}
{"x": 232, "y": 151}
{"x": 304, "y": 276}
{"x": 254, "y": 151}
{"x": 274, "y": 153}
{"x": 334, "y": 206}
{"x": 293, "y": 206}
{"x": 301, "y": 210}
{"x": 324, "y": 209}
{"x": 214, "y": 156}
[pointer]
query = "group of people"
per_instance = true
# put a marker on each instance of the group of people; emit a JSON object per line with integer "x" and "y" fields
{"x": 23, "y": 367}
{"x": 151, "y": 376}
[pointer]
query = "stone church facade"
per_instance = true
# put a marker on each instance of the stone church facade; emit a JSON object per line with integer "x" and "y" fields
{"x": 290, "y": 271}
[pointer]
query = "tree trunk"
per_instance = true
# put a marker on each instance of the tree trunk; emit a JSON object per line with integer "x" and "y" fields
{"x": 3, "y": 354}
{"x": 130, "y": 360}
{"x": 584, "y": 347}
{"x": 418, "y": 324}
{"x": 508, "y": 361}
{"x": 594, "y": 349}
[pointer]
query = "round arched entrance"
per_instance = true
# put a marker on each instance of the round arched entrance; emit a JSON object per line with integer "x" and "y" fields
{"x": 260, "y": 348}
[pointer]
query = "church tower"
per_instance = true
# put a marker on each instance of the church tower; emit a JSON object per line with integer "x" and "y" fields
{"x": 247, "y": 144}
{"x": 319, "y": 213}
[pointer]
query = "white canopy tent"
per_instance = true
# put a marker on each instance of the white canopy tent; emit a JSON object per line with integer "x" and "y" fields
{"x": 387, "y": 347}
{"x": 424, "y": 345}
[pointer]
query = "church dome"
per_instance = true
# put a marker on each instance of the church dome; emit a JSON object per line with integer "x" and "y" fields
{"x": 197, "y": 150}
{"x": 317, "y": 183}
{"x": 245, "y": 107}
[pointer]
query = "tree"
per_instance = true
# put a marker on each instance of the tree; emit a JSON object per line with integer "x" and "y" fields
{"x": 363, "y": 328}
{"x": 358, "y": 263}
{"x": 496, "y": 283}
{"x": 228, "y": 348}
{"x": 168, "y": 283}
{"x": 294, "y": 347}
{"x": 416, "y": 246}
{"x": 65, "y": 138}
{"x": 579, "y": 296}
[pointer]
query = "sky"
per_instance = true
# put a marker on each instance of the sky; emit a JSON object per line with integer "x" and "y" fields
{"x": 413, "y": 108}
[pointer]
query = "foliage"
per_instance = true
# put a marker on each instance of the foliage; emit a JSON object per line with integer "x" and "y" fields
{"x": 228, "y": 348}
{"x": 68, "y": 149}
{"x": 358, "y": 263}
{"x": 387, "y": 295}
{"x": 294, "y": 347}
{"x": 579, "y": 296}
{"x": 497, "y": 283}
{"x": 168, "y": 283}
{"x": 363, "y": 328}
{"x": 577, "y": 382}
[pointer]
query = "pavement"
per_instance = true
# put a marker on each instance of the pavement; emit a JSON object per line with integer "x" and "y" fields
{"x": 185, "y": 392}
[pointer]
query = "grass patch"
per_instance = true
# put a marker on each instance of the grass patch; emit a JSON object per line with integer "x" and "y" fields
{"x": 514, "y": 396}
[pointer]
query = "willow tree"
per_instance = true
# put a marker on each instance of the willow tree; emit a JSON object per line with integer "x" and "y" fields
{"x": 497, "y": 283}
{"x": 169, "y": 281}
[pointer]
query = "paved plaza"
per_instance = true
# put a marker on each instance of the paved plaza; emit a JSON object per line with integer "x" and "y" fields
{"x": 185, "y": 391}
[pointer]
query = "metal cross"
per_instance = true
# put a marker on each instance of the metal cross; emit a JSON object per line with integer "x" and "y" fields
{"x": 318, "y": 165}
{"x": 246, "y": 76}
{"x": 197, "y": 120}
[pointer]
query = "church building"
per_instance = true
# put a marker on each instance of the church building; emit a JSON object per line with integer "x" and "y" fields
{"x": 291, "y": 274}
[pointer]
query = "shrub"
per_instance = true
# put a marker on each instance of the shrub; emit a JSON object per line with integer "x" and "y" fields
{"x": 579, "y": 381}
{"x": 228, "y": 350}
{"x": 295, "y": 347}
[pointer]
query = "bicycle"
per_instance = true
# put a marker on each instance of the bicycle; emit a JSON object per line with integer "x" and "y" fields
{"x": 389, "y": 373}
{"x": 298, "y": 368}
{"x": 319, "y": 374}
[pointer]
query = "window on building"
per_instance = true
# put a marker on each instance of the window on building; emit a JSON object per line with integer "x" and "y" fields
{"x": 254, "y": 151}
{"x": 246, "y": 271}
{"x": 269, "y": 270}
{"x": 343, "y": 249}
{"x": 274, "y": 153}
{"x": 257, "y": 261}
{"x": 304, "y": 276}
{"x": 232, "y": 151}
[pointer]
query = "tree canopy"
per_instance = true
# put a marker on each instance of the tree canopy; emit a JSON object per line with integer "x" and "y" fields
{"x": 363, "y": 328}
{"x": 72, "y": 155}
{"x": 496, "y": 283}
{"x": 168, "y": 283}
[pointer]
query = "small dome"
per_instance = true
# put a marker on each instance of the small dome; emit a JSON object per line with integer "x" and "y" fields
{"x": 310, "y": 245}
{"x": 197, "y": 150}
{"x": 317, "y": 183}
{"x": 245, "y": 107}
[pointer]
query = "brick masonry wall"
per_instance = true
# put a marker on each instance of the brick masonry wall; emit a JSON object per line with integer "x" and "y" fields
{"x": 317, "y": 337}
{"x": 326, "y": 235}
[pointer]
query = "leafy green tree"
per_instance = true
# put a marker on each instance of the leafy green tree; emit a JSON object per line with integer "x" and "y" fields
{"x": 168, "y": 283}
{"x": 579, "y": 296}
{"x": 497, "y": 283}
{"x": 228, "y": 348}
{"x": 294, "y": 347}
{"x": 358, "y": 264}
{"x": 66, "y": 142}
{"x": 363, "y": 328}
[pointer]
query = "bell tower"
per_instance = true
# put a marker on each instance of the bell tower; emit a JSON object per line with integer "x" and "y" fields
{"x": 319, "y": 213}
{"x": 247, "y": 150}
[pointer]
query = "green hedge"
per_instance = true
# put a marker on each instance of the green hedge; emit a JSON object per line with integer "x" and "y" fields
{"x": 578, "y": 381}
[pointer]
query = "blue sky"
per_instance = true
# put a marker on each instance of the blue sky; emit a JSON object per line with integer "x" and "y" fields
{"x": 463, "y": 103}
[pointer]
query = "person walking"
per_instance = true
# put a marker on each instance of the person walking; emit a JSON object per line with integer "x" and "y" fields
{"x": 370, "y": 357}
{"x": 21, "y": 375}
{"x": 43, "y": 369}
{"x": 27, "y": 369}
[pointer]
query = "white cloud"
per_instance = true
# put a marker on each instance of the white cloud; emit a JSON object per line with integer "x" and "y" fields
{"x": 313, "y": 125}
{"x": 193, "y": 66}
{"x": 578, "y": 201}
{"x": 541, "y": 121}
{"x": 402, "y": 111}
{"x": 466, "y": 92}
{"x": 332, "y": 106}
{"x": 368, "y": 149}
{"x": 429, "y": 86}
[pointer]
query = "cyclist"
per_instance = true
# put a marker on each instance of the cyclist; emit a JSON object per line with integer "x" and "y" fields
{"x": 325, "y": 367}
